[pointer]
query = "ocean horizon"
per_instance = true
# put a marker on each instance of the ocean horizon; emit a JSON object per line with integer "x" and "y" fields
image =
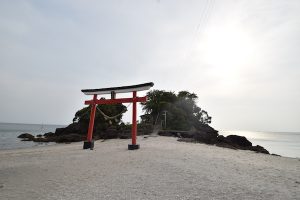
{"x": 286, "y": 144}
{"x": 9, "y": 133}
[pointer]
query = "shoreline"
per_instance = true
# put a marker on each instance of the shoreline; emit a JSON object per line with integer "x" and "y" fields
{"x": 45, "y": 145}
{"x": 162, "y": 169}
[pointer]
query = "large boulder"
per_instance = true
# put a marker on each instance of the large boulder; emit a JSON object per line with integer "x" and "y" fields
{"x": 205, "y": 137}
{"x": 258, "y": 149}
{"x": 238, "y": 140}
{"x": 26, "y": 137}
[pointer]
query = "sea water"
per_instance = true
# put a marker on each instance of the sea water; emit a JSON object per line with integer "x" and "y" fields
{"x": 282, "y": 143}
{"x": 9, "y": 133}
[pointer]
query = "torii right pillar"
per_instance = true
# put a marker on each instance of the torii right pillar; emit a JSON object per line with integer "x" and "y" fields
{"x": 133, "y": 144}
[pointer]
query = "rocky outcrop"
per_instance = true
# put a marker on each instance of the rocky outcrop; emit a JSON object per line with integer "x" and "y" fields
{"x": 26, "y": 137}
{"x": 72, "y": 128}
{"x": 204, "y": 134}
{"x": 258, "y": 149}
{"x": 49, "y": 134}
{"x": 238, "y": 140}
{"x": 76, "y": 132}
{"x": 41, "y": 139}
{"x": 206, "y": 137}
{"x": 213, "y": 138}
{"x": 69, "y": 138}
{"x": 51, "y": 137}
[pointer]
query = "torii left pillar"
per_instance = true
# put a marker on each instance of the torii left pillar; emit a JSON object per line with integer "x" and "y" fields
{"x": 89, "y": 143}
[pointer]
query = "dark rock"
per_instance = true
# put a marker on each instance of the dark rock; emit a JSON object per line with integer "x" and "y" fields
{"x": 144, "y": 129}
{"x": 41, "y": 139}
{"x": 205, "y": 137}
{"x": 207, "y": 129}
{"x": 197, "y": 136}
{"x": 49, "y": 134}
{"x": 273, "y": 154}
{"x": 221, "y": 139}
{"x": 125, "y": 135}
{"x": 39, "y": 135}
{"x": 186, "y": 134}
{"x": 258, "y": 149}
{"x": 110, "y": 133}
{"x": 59, "y": 131}
{"x": 72, "y": 128}
{"x": 26, "y": 137}
{"x": 69, "y": 138}
{"x": 168, "y": 133}
{"x": 238, "y": 140}
{"x": 180, "y": 134}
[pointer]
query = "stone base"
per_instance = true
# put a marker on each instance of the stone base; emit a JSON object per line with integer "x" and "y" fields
{"x": 133, "y": 146}
{"x": 88, "y": 145}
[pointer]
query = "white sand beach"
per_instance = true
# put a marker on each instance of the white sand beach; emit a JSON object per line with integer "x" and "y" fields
{"x": 162, "y": 169}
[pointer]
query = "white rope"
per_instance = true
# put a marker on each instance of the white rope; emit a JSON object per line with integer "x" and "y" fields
{"x": 106, "y": 117}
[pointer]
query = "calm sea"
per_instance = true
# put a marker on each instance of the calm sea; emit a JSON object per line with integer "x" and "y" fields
{"x": 282, "y": 143}
{"x": 10, "y": 131}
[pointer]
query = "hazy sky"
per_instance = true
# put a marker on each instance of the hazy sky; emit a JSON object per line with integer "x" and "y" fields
{"x": 240, "y": 57}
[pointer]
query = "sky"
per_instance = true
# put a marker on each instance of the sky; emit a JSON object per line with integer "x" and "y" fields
{"x": 240, "y": 57}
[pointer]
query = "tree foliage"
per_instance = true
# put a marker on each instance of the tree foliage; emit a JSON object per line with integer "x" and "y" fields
{"x": 182, "y": 110}
{"x": 83, "y": 116}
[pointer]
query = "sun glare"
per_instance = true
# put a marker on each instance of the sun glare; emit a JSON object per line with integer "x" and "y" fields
{"x": 227, "y": 51}
{"x": 227, "y": 47}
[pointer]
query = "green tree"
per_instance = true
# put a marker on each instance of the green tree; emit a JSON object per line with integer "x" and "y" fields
{"x": 157, "y": 100}
{"x": 182, "y": 110}
{"x": 83, "y": 115}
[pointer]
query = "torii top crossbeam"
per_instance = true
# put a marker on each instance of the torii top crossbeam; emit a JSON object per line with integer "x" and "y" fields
{"x": 123, "y": 89}
{"x": 113, "y": 90}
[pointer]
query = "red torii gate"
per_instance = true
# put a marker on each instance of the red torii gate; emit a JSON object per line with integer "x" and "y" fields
{"x": 89, "y": 143}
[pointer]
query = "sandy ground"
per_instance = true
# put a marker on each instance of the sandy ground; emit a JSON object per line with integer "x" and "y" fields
{"x": 162, "y": 169}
